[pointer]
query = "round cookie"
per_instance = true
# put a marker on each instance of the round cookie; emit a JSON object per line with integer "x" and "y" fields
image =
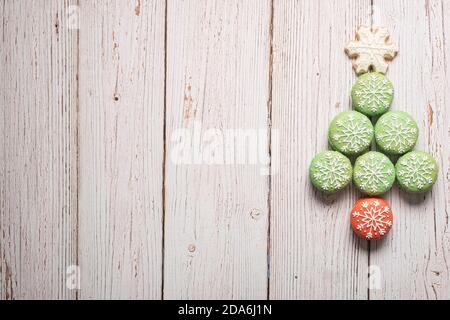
{"x": 396, "y": 132}
{"x": 416, "y": 171}
{"x": 330, "y": 171}
{"x": 350, "y": 133}
{"x": 371, "y": 218}
{"x": 373, "y": 173}
{"x": 372, "y": 94}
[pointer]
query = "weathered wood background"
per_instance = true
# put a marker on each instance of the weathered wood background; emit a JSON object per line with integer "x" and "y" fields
{"x": 93, "y": 95}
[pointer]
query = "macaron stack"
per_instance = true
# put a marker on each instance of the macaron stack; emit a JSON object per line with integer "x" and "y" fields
{"x": 351, "y": 135}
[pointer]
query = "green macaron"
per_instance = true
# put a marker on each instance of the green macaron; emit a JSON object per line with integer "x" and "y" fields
{"x": 330, "y": 171}
{"x": 372, "y": 94}
{"x": 416, "y": 171}
{"x": 396, "y": 132}
{"x": 373, "y": 173}
{"x": 350, "y": 133}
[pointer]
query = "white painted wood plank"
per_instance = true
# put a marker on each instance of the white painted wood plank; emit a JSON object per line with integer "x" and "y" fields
{"x": 216, "y": 215}
{"x": 313, "y": 253}
{"x": 413, "y": 260}
{"x": 38, "y": 176}
{"x": 121, "y": 148}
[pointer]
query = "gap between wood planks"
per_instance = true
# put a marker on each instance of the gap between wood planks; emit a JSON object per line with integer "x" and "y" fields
{"x": 269, "y": 125}
{"x": 163, "y": 191}
{"x": 77, "y": 165}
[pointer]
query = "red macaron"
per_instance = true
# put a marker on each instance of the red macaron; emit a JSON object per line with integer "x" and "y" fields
{"x": 371, "y": 218}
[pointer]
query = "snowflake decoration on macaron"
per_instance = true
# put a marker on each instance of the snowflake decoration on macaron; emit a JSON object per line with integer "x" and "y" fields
{"x": 416, "y": 171}
{"x": 374, "y": 173}
{"x": 330, "y": 171}
{"x": 372, "y": 94}
{"x": 371, "y": 218}
{"x": 351, "y": 133}
{"x": 396, "y": 132}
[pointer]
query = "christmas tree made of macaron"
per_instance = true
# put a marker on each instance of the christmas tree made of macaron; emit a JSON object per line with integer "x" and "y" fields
{"x": 351, "y": 135}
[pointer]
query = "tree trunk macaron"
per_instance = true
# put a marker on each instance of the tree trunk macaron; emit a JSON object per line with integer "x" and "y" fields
{"x": 330, "y": 171}
{"x": 350, "y": 133}
{"x": 371, "y": 218}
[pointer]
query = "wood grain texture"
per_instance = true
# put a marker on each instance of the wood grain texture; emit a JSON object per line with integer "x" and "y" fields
{"x": 121, "y": 148}
{"x": 216, "y": 215}
{"x": 313, "y": 253}
{"x": 414, "y": 259}
{"x": 87, "y": 115}
{"x": 38, "y": 150}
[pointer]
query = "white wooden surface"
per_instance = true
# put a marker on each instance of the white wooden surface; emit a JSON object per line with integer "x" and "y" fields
{"x": 87, "y": 127}
{"x": 38, "y": 179}
{"x": 218, "y": 76}
{"x": 121, "y": 121}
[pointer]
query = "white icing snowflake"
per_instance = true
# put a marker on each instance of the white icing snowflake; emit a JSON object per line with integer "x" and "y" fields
{"x": 374, "y": 92}
{"x": 399, "y": 133}
{"x": 332, "y": 172}
{"x": 353, "y": 134}
{"x": 374, "y": 173}
{"x": 416, "y": 171}
{"x": 373, "y": 218}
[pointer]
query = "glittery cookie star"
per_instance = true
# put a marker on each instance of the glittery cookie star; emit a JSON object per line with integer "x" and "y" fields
{"x": 372, "y": 48}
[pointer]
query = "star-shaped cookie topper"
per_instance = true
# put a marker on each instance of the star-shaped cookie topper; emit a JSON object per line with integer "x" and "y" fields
{"x": 371, "y": 50}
